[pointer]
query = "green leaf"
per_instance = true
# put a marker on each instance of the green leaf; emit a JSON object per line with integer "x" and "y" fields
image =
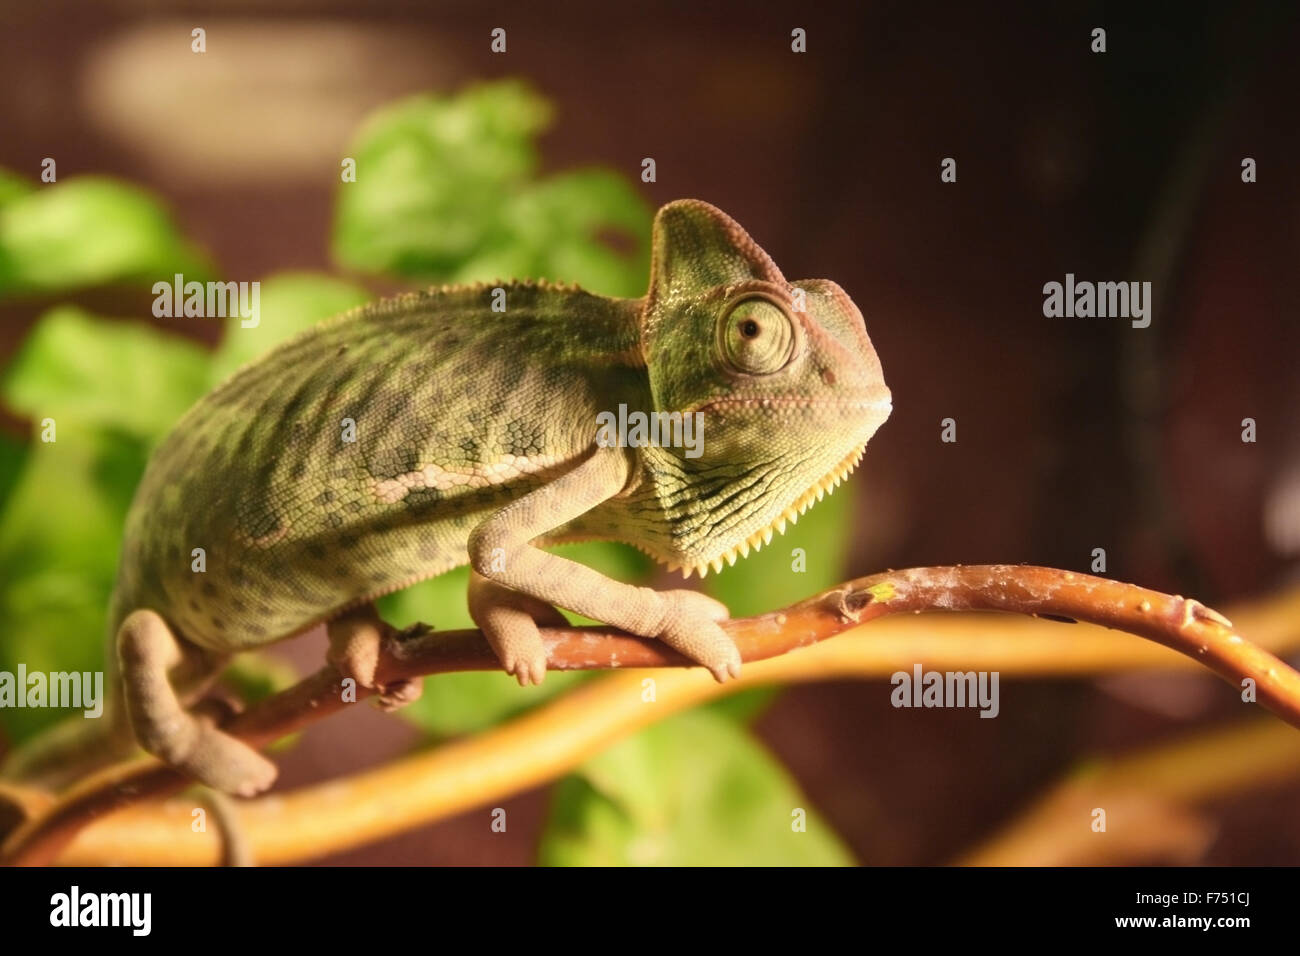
{"x": 694, "y": 790}
{"x": 75, "y": 367}
{"x": 12, "y": 186}
{"x": 446, "y": 190}
{"x": 288, "y": 303}
{"x": 89, "y": 231}
{"x": 13, "y": 454}
{"x": 431, "y": 173}
{"x": 463, "y": 703}
{"x": 571, "y": 228}
{"x": 60, "y": 532}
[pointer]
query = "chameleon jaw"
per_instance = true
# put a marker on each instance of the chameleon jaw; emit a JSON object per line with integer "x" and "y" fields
{"x": 790, "y": 515}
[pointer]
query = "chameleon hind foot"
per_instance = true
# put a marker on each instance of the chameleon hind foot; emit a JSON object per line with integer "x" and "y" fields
{"x": 355, "y": 642}
{"x": 147, "y": 651}
{"x": 510, "y": 621}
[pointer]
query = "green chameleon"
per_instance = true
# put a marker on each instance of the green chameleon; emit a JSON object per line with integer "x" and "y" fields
{"x": 471, "y": 424}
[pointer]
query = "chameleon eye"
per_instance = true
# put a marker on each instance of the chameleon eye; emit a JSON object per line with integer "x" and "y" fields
{"x": 756, "y": 336}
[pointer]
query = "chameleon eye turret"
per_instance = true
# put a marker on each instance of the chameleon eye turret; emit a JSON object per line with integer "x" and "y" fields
{"x": 757, "y": 336}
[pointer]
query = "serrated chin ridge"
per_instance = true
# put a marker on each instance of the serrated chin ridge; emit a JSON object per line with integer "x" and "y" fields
{"x": 791, "y": 515}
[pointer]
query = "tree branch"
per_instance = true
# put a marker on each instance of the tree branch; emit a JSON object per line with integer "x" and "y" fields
{"x": 552, "y": 739}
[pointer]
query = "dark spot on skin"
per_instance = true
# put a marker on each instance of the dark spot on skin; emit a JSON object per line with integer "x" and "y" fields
{"x": 298, "y": 470}
{"x": 354, "y": 506}
{"x": 828, "y": 376}
{"x": 238, "y": 605}
{"x": 471, "y": 449}
{"x": 209, "y": 589}
{"x": 264, "y": 610}
{"x": 349, "y": 540}
{"x": 312, "y": 599}
{"x": 264, "y": 525}
{"x": 257, "y": 630}
{"x": 422, "y": 501}
{"x": 325, "y": 497}
{"x": 194, "y": 605}
{"x": 333, "y": 520}
{"x": 522, "y": 438}
{"x": 244, "y": 449}
{"x": 218, "y": 624}
{"x": 316, "y": 551}
{"x": 410, "y": 458}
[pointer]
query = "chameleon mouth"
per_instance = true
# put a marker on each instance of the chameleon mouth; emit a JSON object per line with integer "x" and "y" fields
{"x": 790, "y": 515}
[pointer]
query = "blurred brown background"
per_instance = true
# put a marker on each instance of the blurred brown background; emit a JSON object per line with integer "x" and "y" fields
{"x": 1073, "y": 433}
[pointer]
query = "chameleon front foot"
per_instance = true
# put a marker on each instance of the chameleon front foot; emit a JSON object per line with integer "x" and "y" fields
{"x": 510, "y": 621}
{"x": 690, "y": 627}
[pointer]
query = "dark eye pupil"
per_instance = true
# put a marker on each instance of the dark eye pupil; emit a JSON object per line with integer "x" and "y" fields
{"x": 749, "y": 328}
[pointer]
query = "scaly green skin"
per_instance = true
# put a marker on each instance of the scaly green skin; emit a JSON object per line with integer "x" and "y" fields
{"x": 475, "y": 441}
{"x": 298, "y": 524}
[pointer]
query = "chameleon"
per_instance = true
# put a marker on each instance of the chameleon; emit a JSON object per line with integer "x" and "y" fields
{"x": 423, "y": 432}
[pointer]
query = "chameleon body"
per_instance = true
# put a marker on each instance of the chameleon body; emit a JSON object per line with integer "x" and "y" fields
{"x": 425, "y": 432}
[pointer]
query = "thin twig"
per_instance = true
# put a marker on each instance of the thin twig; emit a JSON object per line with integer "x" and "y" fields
{"x": 592, "y": 716}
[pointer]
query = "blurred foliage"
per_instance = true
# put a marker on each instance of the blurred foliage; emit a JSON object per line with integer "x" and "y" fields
{"x": 692, "y": 790}
{"x": 447, "y": 190}
{"x": 289, "y": 303}
{"x": 75, "y": 367}
{"x": 87, "y": 231}
{"x": 59, "y": 537}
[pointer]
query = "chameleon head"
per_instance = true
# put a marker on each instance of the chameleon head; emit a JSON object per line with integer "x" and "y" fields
{"x": 779, "y": 377}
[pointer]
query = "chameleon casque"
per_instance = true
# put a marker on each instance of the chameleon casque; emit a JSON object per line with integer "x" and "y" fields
{"x": 474, "y": 441}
